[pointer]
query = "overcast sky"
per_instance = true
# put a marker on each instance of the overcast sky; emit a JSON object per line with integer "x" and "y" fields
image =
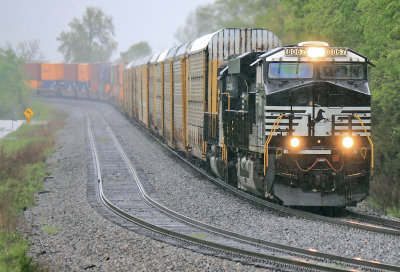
{"x": 154, "y": 21}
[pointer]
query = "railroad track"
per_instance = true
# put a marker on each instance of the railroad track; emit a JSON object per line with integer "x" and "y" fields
{"x": 354, "y": 219}
{"x": 128, "y": 197}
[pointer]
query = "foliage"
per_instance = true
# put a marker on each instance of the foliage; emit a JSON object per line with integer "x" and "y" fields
{"x": 14, "y": 94}
{"x": 13, "y": 256}
{"x": 90, "y": 39}
{"x": 22, "y": 170}
{"x": 136, "y": 51}
{"x": 372, "y": 28}
{"x": 30, "y": 51}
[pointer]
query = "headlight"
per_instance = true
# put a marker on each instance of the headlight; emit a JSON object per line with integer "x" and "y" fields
{"x": 316, "y": 52}
{"x": 347, "y": 142}
{"x": 294, "y": 142}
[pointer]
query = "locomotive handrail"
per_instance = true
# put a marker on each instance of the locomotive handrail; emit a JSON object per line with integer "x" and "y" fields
{"x": 273, "y": 129}
{"x": 229, "y": 100}
{"x": 370, "y": 142}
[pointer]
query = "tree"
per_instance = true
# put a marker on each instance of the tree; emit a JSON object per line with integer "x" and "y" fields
{"x": 30, "y": 51}
{"x": 207, "y": 18}
{"x": 90, "y": 39}
{"x": 202, "y": 21}
{"x": 136, "y": 51}
{"x": 14, "y": 94}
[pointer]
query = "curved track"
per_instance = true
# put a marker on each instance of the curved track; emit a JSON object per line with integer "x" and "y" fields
{"x": 132, "y": 201}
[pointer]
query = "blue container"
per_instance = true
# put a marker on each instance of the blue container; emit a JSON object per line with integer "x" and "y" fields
{"x": 105, "y": 73}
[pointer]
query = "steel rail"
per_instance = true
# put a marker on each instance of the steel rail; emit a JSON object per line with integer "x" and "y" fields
{"x": 231, "y": 235}
{"x": 395, "y": 224}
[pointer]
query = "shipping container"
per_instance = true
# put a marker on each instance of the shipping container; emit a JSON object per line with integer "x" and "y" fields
{"x": 83, "y": 72}
{"x": 59, "y": 71}
{"x": 71, "y": 72}
{"x": 52, "y": 71}
{"x": 33, "y": 71}
{"x": 94, "y": 77}
{"x": 104, "y": 71}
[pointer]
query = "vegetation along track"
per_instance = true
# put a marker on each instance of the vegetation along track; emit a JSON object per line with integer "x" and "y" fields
{"x": 352, "y": 219}
{"x": 130, "y": 199}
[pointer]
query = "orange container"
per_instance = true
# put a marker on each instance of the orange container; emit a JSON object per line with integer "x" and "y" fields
{"x": 59, "y": 71}
{"x": 52, "y": 71}
{"x": 48, "y": 71}
{"x": 83, "y": 72}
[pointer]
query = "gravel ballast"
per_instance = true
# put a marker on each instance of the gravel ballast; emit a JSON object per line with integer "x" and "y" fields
{"x": 67, "y": 234}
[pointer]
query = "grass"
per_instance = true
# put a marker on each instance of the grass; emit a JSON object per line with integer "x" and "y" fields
{"x": 13, "y": 253}
{"x": 22, "y": 171}
{"x": 385, "y": 195}
{"x": 51, "y": 230}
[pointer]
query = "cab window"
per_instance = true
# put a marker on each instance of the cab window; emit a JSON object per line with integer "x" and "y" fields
{"x": 290, "y": 70}
{"x": 342, "y": 71}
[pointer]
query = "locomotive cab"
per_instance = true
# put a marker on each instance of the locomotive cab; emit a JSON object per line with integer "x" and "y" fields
{"x": 296, "y": 122}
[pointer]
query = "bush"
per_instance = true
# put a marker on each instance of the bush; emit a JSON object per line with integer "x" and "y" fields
{"x": 385, "y": 194}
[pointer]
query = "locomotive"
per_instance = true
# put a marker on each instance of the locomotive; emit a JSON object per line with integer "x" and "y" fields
{"x": 289, "y": 123}
{"x": 294, "y": 125}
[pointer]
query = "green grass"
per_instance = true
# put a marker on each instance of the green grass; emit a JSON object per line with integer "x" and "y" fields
{"x": 22, "y": 171}
{"x": 44, "y": 112}
{"x": 394, "y": 211}
{"x": 13, "y": 255}
{"x": 51, "y": 230}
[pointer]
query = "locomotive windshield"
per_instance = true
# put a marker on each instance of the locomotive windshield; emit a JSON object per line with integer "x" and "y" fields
{"x": 342, "y": 71}
{"x": 306, "y": 70}
{"x": 290, "y": 70}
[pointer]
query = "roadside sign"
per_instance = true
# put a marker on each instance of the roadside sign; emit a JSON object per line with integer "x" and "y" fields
{"x": 28, "y": 113}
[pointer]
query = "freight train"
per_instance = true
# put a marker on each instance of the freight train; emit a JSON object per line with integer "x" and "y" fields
{"x": 290, "y": 123}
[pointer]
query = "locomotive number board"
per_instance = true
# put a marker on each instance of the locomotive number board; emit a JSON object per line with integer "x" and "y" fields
{"x": 297, "y": 51}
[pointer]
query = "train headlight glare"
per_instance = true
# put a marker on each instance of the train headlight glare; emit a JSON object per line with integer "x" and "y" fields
{"x": 316, "y": 52}
{"x": 347, "y": 142}
{"x": 294, "y": 142}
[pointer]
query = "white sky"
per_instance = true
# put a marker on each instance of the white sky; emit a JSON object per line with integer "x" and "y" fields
{"x": 154, "y": 21}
